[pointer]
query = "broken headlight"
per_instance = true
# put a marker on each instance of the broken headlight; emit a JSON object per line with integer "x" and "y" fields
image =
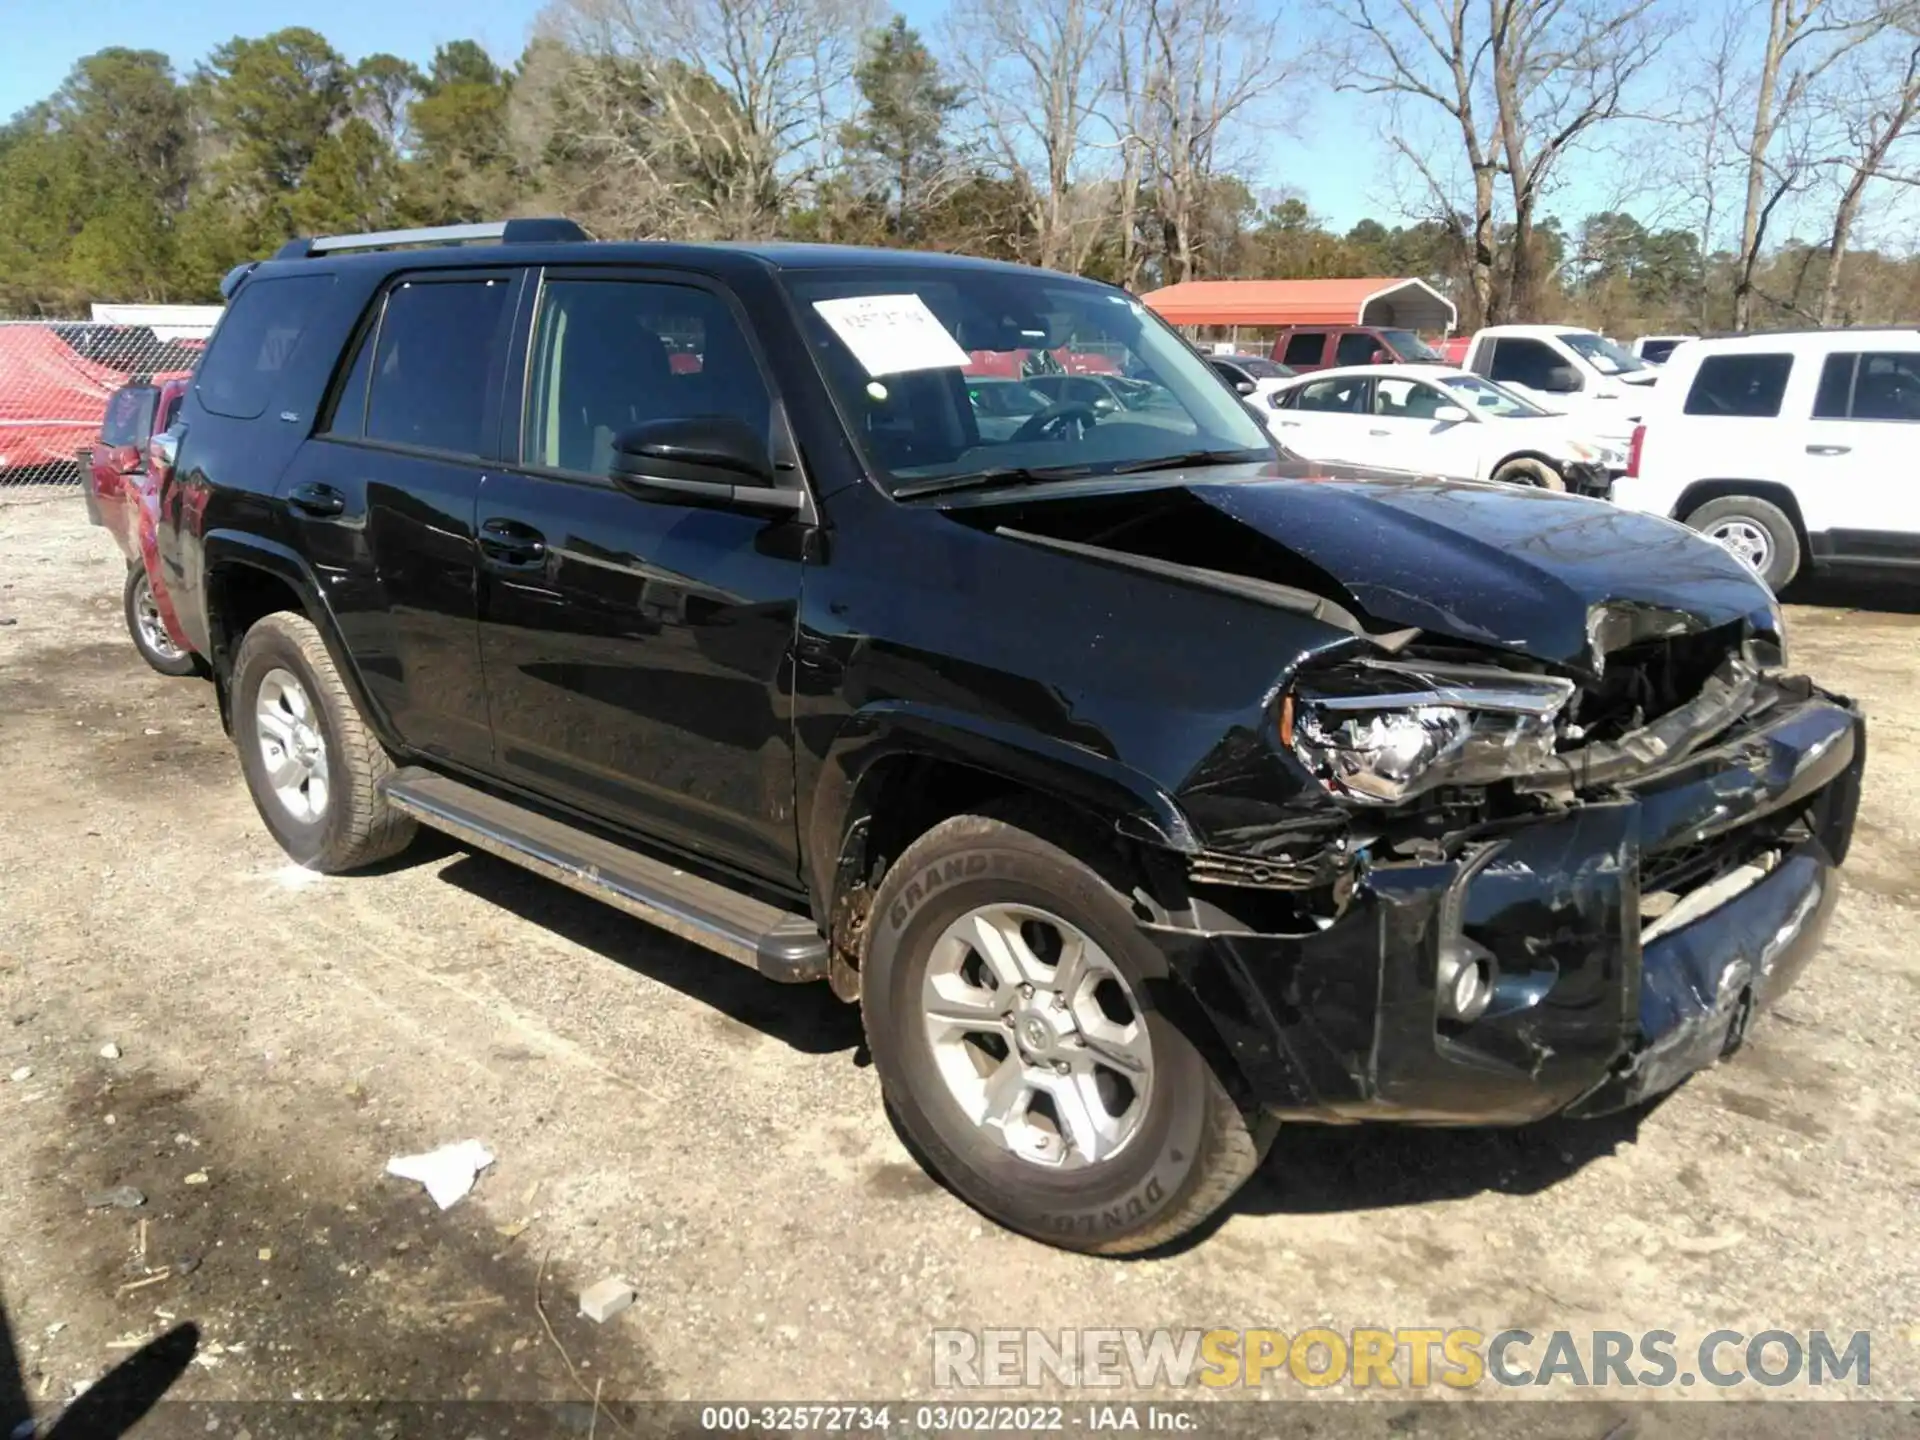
{"x": 1381, "y": 732}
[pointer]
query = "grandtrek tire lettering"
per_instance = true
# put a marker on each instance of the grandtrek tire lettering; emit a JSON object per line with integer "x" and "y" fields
{"x": 1191, "y": 1147}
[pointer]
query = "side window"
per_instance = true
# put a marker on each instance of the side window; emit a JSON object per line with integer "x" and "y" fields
{"x": 1835, "y": 396}
{"x": 1305, "y": 348}
{"x": 1406, "y": 399}
{"x": 129, "y": 413}
{"x": 1749, "y": 386}
{"x": 602, "y": 362}
{"x": 1345, "y": 395}
{"x": 169, "y": 413}
{"x": 1523, "y": 362}
{"x": 436, "y": 347}
{"x": 1887, "y": 387}
{"x": 349, "y": 404}
{"x": 256, "y": 341}
{"x": 1355, "y": 349}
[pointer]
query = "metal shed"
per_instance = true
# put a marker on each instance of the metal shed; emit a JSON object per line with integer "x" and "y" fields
{"x": 1403, "y": 304}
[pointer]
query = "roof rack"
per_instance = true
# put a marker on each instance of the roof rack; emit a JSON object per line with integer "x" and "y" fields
{"x": 545, "y": 229}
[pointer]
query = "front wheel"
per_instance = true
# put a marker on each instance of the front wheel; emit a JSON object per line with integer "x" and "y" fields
{"x": 149, "y": 631}
{"x": 311, "y": 762}
{"x": 1536, "y": 473}
{"x": 1008, "y": 996}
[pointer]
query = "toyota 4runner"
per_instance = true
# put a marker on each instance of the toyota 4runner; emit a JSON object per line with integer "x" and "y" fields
{"x": 1143, "y": 789}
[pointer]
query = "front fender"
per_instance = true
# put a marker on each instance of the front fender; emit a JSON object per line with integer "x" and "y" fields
{"x": 890, "y": 729}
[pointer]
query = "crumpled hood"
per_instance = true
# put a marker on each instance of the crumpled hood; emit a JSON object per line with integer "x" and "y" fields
{"x": 1555, "y": 577}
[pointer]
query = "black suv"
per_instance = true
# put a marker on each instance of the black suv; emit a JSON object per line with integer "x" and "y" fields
{"x": 1142, "y": 788}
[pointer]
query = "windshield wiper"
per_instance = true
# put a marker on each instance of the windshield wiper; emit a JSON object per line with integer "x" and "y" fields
{"x": 1188, "y": 459}
{"x": 993, "y": 475}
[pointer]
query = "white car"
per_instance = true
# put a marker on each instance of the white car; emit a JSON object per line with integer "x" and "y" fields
{"x": 1792, "y": 450}
{"x": 1253, "y": 377}
{"x": 1437, "y": 421}
{"x": 1565, "y": 368}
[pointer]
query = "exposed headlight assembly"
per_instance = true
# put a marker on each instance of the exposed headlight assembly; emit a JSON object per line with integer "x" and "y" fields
{"x": 1381, "y": 732}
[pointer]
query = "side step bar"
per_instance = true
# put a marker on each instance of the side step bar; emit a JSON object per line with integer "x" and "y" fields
{"x": 778, "y": 943}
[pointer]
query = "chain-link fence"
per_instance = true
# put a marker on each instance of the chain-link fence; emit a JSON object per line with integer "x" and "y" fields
{"x": 67, "y": 386}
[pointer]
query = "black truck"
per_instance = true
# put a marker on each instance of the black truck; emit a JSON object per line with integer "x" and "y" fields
{"x": 1146, "y": 789}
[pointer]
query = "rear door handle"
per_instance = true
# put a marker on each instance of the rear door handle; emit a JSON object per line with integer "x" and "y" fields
{"x": 508, "y": 542}
{"x": 1829, "y": 449}
{"x": 317, "y": 500}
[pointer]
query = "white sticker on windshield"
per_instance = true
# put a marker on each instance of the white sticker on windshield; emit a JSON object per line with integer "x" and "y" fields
{"x": 891, "y": 334}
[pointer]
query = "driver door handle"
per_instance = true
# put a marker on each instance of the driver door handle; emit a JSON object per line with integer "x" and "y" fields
{"x": 509, "y": 543}
{"x": 316, "y": 500}
{"x": 1829, "y": 449}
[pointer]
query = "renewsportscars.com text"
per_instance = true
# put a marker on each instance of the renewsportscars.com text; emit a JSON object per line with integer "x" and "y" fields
{"x": 1407, "y": 1358}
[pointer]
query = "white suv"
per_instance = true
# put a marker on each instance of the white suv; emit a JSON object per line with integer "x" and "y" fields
{"x": 1789, "y": 449}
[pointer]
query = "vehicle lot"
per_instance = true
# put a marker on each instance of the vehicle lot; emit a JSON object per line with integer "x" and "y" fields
{"x": 659, "y": 1113}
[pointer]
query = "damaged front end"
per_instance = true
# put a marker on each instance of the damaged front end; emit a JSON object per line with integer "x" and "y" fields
{"x": 1510, "y": 890}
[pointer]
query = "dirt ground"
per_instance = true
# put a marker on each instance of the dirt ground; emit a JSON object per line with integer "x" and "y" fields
{"x": 661, "y": 1114}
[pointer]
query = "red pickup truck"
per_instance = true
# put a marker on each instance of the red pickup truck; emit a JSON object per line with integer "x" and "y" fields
{"x": 122, "y": 493}
{"x": 1321, "y": 347}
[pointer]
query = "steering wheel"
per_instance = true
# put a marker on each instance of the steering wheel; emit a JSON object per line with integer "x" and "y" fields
{"x": 1058, "y": 421}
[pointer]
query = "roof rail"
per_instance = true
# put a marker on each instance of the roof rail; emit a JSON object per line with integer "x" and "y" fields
{"x": 506, "y": 232}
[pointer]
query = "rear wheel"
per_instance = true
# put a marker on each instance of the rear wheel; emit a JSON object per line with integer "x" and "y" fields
{"x": 1754, "y": 530}
{"x": 149, "y": 631}
{"x": 311, "y": 762}
{"x": 1537, "y": 473}
{"x": 1008, "y": 996}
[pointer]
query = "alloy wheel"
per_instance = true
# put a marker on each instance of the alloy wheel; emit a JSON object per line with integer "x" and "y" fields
{"x": 292, "y": 747}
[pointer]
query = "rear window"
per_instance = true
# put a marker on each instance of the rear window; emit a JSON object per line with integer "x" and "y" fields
{"x": 256, "y": 342}
{"x": 1304, "y": 349}
{"x": 129, "y": 418}
{"x": 1884, "y": 386}
{"x": 1747, "y": 386}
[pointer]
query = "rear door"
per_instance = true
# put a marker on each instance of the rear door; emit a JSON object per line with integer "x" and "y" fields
{"x": 635, "y": 646}
{"x": 1328, "y": 420}
{"x": 382, "y": 499}
{"x": 1858, "y": 457}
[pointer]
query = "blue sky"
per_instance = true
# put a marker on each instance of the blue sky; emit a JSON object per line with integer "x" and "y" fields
{"x": 42, "y": 41}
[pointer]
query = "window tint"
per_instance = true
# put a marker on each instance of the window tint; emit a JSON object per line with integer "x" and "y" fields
{"x": 1305, "y": 349}
{"x": 1524, "y": 362}
{"x": 256, "y": 342}
{"x": 1835, "y": 394}
{"x": 436, "y": 347}
{"x": 1355, "y": 349}
{"x": 1655, "y": 352}
{"x": 1232, "y": 373}
{"x": 1749, "y": 386}
{"x": 1400, "y": 399}
{"x": 1345, "y": 394}
{"x": 349, "y": 414}
{"x": 129, "y": 415}
{"x": 604, "y": 360}
{"x": 1887, "y": 387}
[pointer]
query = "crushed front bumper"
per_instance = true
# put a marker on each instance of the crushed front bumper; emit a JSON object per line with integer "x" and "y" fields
{"x": 1345, "y": 1023}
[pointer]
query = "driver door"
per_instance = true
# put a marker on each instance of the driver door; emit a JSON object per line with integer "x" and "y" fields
{"x": 1328, "y": 420}
{"x": 1407, "y": 433}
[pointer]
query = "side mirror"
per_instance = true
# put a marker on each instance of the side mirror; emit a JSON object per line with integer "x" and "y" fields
{"x": 1562, "y": 380}
{"x": 1105, "y": 405}
{"x": 712, "y": 459}
{"x": 1380, "y": 357}
{"x": 1244, "y": 387}
{"x": 1450, "y": 415}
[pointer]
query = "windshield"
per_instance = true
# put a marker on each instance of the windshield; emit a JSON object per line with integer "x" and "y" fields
{"x": 1409, "y": 346}
{"x": 1600, "y": 352}
{"x": 1487, "y": 398}
{"x": 944, "y": 372}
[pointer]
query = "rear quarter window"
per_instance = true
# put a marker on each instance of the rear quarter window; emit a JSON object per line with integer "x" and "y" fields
{"x": 1746, "y": 386}
{"x": 254, "y": 347}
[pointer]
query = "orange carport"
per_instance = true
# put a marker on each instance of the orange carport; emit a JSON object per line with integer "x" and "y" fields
{"x": 1401, "y": 304}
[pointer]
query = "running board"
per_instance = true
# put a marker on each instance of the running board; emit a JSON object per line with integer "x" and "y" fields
{"x": 780, "y": 944}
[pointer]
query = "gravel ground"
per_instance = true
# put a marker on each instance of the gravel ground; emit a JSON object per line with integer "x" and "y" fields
{"x": 661, "y": 1114}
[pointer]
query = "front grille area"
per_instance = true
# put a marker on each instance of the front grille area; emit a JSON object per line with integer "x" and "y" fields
{"x": 1644, "y": 681}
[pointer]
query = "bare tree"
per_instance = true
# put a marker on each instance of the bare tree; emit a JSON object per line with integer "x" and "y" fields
{"x": 1032, "y": 68}
{"x": 701, "y": 116}
{"x": 1804, "y": 39}
{"x": 1210, "y": 65}
{"x": 1885, "y": 96}
{"x": 1432, "y": 51}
